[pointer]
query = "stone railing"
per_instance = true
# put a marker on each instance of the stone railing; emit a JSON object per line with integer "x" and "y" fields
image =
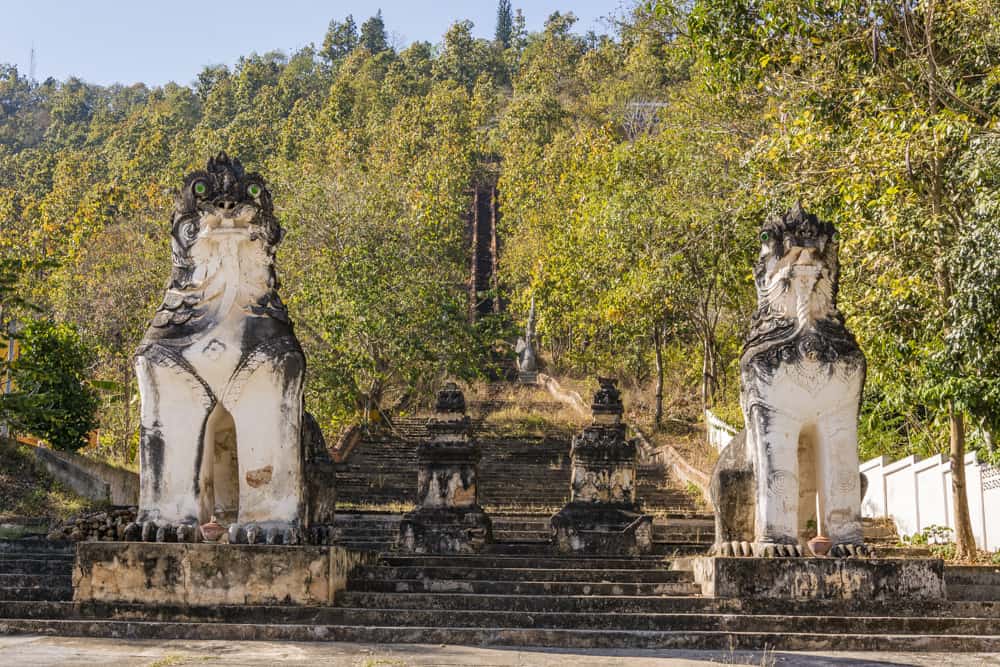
{"x": 674, "y": 462}
{"x": 916, "y": 494}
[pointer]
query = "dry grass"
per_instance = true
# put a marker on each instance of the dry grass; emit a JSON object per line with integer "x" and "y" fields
{"x": 26, "y": 490}
{"x": 521, "y": 410}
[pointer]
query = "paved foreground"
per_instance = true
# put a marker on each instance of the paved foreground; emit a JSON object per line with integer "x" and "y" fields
{"x": 33, "y": 650}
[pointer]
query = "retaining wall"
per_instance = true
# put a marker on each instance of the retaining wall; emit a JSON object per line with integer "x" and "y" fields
{"x": 89, "y": 478}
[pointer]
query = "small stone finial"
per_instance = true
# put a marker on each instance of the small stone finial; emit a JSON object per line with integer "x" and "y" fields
{"x": 450, "y": 399}
{"x": 607, "y": 401}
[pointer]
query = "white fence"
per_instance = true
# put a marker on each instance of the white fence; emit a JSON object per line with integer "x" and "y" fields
{"x": 719, "y": 432}
{"x": 915, "y": 493}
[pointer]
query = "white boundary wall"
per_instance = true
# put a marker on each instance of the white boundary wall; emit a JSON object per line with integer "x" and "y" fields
{"x": 915, "y": 493}
{"x": 719, "y": 432}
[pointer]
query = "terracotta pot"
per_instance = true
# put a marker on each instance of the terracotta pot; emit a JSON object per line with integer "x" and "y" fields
{"x": 212, "y": 531}
{"x": 820, "y": 545}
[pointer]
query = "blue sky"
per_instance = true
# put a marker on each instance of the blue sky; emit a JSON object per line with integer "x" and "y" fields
{"x": 125, "y": 41}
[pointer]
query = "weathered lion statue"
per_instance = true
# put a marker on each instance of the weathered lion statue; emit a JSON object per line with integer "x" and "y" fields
{"x": 223, "y": 432}
{"x": 802, "y": 372}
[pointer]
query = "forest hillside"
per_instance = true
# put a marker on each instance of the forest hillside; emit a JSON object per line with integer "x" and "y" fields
{"x": 634, "y": 170}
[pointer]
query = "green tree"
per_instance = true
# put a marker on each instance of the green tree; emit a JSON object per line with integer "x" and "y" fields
{"x": 373, "y": 34}
{"x": 52, "y": 399}
{"x": 504, "y": 33}
{"x": 341, "y": 38}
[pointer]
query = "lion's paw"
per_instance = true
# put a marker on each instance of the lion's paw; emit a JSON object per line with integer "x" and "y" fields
{"x": 847, "y": 550}
{"x": 153, "y": 531}
{"x": 775, "y": 550}
{"x": 265, "y": 532}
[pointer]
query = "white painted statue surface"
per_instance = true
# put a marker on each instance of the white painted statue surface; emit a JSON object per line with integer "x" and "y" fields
{"x": 795, "y": 465}
{"x": 221, "y": 373}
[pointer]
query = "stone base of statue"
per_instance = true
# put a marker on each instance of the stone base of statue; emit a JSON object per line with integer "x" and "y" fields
{"x": 602, "y": 529}
{"x": 445, "y": 530}
{"x": 875, "y": 579}
{"x": 448, "y": 518}
{"x": 527, "y": 377}
{"x": 212, "y": 574}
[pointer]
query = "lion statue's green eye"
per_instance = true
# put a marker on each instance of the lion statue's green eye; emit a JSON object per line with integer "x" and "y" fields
{"x": 253, "y": 190}
{"x": 764, "y": 236}
{"x": 200, "y": 188}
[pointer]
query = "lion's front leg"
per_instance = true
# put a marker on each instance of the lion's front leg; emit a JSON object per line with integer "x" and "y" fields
{"x": 268, "y": 417}
{"x": 775, "y": 446}
{"x": 175, "y": 407}
{"x": 838, "y": 481}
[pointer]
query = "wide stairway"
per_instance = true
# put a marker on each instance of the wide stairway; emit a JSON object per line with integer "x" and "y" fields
{"x": 508, "y": 600}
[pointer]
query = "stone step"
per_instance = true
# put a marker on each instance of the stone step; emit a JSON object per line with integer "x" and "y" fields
{"x": 554, "y": 562}
{"x": 513, "y": 587}
{"x": 37, "y": 555}
{"x": 36, "y": 545}
{"x": 973, "y": 582}
{"x": 364, "y": 532}
{"x": 626, "y": 621}
{"x": 490, "y": 636}
{"x": 521, "y": 535}
{"x": 34, "y": 580}
{"x": 348, "y": 518}
{"x": 378, "y": 546}
{"x": 36, "y": 592}
{"x": 667, "y": 604}
{"x": 542, "y": 523}
{"x": 533, "y": 574}
{"x": 62, "y": 566}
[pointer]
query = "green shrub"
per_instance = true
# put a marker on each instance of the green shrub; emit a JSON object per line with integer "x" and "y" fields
{"x": 52, "y": 399}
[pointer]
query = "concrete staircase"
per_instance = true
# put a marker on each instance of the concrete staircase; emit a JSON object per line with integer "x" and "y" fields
{"x": 36, "y": 569}
{"x": 550, "y": 601}
{"x": 523, "y": 481}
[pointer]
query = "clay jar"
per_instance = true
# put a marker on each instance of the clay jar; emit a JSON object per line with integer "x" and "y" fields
{"x": 820, "y": 545}
{"x": 212, "y": 531}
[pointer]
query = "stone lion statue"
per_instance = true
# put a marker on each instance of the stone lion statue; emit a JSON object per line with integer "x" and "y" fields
{"x": 795, "y": 464}
{"x": 223, "y": 433}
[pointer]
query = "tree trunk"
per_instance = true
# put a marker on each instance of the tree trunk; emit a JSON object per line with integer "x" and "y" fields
{"x": 965, "y": 541}
{"x": 657, "y": 345}
{"x": 708, "y": 370}
{"x": 126, "y": 412}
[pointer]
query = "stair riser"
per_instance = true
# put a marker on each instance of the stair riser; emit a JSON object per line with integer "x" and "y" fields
{"x": 663, "y": 604}
{"x": 37, "y": 567}
{"x": 567, "y": 621}
{"x": 502, "y": 637}
{"x": 645, "y": 576}
{"x": 973, "y": 592}
{"x": 521, "y": 588}
{"x": 34, "y": 580}
{"x": 554, "y": 563}
{"x": 35, "y": 593}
